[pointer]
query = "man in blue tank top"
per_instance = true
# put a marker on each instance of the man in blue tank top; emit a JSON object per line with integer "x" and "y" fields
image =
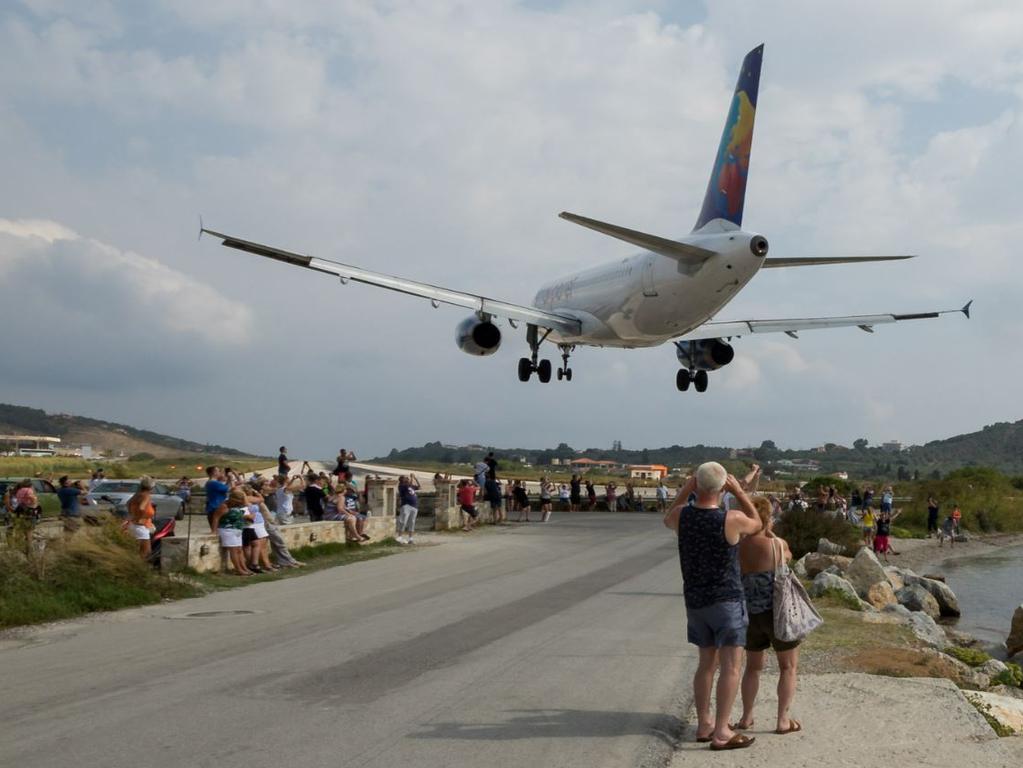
{"x": 708, "y": 538}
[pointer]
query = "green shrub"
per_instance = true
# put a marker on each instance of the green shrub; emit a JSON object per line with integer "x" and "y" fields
{"x": 1012, "y": 676}
{"x": 141, "y": 457}
{"x": 969, "y": 656}
{"x": 802, "y": 528}
{"x": 902, "y": 533}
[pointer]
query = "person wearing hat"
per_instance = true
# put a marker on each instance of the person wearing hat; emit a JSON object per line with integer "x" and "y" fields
{"x": 140, "y": 516}
{"x": 228, "y": 521}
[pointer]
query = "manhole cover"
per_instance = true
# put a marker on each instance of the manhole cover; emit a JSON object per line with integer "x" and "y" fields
{"x": 213, "y": 614}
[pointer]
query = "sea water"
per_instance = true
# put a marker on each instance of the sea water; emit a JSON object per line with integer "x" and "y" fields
{"x": 989, "y": 588}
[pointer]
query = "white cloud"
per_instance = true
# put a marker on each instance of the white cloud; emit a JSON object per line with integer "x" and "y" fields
{"x": 96, "y": 311}
{"x": 439, "y": 140}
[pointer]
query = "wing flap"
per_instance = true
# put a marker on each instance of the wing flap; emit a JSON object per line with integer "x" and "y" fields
{"x": 435, "y": 293}
{"x": 688, "y": 254}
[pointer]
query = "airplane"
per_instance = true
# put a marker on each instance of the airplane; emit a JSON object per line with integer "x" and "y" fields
{"x": 671, "y": 291}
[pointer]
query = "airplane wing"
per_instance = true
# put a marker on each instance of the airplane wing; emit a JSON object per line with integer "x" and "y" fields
{"x": 815, "y": 261}
{"x": 720, "y": 329}
{"x": 436, "y": 294}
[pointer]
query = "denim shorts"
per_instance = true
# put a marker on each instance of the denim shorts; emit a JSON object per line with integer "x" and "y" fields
{"x": 718, "y": 625}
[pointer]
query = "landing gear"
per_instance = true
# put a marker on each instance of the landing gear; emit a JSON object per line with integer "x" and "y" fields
{"x": 564, "y": 372}
{"x": 685, "y": 377}
{"x": 525, "y": 368}
{"x": 527, "y": 365}
{"x": 543, "y": 371}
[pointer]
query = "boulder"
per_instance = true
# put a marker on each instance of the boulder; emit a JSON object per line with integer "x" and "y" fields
{"x": 865, "y": 571}
{"x": 1007, "y": 711}
{"x": 826, "y": 581}
{"x": 899, "y": 610}
{"x": 834, "y": 570}
{"x": 948, "y": 604}
{"x": 827, "y": 547}
{"x": 815, "y": 563}
{"x": 1014, "y": 643}
{"x": 992, "y": 668}
{"x": 895, "y": 578}
{"x": 935, "y": 577}
{"x": 916, "y": 598}
{"x": 799, "y": 568}
{"x": 881, "y": 595}
{"x": 926, "y": 630}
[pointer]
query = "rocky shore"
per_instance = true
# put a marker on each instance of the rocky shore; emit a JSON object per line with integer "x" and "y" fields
{"x": 913, "y": 595}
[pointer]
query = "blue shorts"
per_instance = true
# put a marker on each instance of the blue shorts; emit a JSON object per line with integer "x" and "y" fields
{"x": 718, "y": 625}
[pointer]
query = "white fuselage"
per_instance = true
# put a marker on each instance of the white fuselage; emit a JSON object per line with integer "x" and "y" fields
{"x": 646, "y": 299}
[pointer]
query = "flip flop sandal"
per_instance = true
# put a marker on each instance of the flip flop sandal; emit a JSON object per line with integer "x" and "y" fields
{"x": 738, "y": 741}
{"x": 741, "y": 727}
{"x": 704, "y": 739}
{"x": 794, "y": 727}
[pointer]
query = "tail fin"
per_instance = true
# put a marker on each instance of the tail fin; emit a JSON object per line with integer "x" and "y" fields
{"x": 726, "y": 190}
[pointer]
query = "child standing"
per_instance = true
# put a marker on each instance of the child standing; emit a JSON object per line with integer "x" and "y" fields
{"x": 867, "y": 523}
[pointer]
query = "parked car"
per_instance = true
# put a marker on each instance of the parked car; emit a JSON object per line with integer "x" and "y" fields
{"x": 116, "y": 494}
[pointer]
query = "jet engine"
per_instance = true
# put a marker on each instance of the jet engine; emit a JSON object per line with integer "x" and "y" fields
{"x": 705, "y": 354}
{"x": 477, "y": 337}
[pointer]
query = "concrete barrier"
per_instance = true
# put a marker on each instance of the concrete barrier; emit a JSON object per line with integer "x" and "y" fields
{"x": 448, "y": 515}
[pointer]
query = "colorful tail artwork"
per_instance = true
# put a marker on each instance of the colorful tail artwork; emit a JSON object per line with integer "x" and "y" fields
{"x": 726, "y": 189}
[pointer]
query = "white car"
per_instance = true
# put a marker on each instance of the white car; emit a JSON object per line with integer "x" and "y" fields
{"x": 116, "y": 493}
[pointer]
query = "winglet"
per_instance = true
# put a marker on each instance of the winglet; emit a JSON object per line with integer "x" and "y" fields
{"x": 966, "y": 310}
{"x": 201, "y": 229}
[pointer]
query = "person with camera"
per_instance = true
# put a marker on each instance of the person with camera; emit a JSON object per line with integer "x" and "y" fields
{"x": 708, "y": 539}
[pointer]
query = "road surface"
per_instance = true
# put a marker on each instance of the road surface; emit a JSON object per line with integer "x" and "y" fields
{"x": 534, "y": 645}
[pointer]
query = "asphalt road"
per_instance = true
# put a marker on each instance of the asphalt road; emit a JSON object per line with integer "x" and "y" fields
{"x": 539, "y": 645}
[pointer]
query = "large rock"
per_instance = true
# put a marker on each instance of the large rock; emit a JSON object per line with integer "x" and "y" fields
{"x": 895, "y": 577}
{"x": 865, "y": 571}
{"x": 815, "y": 563}
{"x": 901, "y": 611}
{"x": 992, "y": 668}
{"x": 916, "y": 598}
{"x": 799, "y": 568}
{"x": 1014, "y": 644}
{"x": 1008, "y": 712}
{"x": 828, "y": 547}
{"x": 881, "y": 595}
{"x": 946, "y": 598}
{"x": 1007, "y": 690}
{"x": 926, "y": 630}
{"x": 826, "y": 581}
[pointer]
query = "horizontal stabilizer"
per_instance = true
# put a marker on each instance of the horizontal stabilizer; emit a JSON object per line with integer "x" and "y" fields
{"x": 688, "y": 254}
{"x": 812, "y": 262}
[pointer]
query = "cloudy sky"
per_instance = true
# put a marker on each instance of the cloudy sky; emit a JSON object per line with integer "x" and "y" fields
{"x": 439, "y": 140}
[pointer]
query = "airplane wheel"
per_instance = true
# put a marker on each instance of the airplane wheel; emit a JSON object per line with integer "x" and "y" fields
{"x": 525, "y": 368}
{"x": 568, "y": 374}
{"x": 561, "y": 374}
{"x": 543, "y": 371}
{"x": 682, "y": 380}
{"x": 700, "y": 381}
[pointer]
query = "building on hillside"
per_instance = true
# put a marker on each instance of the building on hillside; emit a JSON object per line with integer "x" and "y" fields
{"x": 585, "y": 464}
{"x": 841, "y": 475}
{"x": 895, "y": 446}
{"x": 29, "y": 445}
{"x": 648, "y": 471}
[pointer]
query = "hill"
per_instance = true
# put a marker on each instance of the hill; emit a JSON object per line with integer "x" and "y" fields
{"x": 104, "y": 436}
{"x": 999, "y": 446}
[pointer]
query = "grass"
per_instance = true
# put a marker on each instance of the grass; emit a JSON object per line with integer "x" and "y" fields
{"x": 836, "y": 598}
{"x": 98, "y": 570}
{"x": 1013, "y": 676}
{"x": 970, "y": 656}
{"x": 845, "y": 631}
